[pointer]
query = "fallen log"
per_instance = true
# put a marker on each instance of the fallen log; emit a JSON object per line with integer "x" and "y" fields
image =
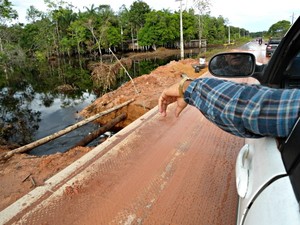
{"x": 51, "y": 137}
{"x": 101, "y": 130}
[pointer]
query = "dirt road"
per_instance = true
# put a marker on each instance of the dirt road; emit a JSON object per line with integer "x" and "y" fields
{"x": 155, "y": 171}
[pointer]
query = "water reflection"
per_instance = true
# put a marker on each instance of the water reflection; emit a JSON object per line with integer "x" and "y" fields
{"x": 63, "y": 112}
{"x": 18, "y": 122}
{"x": 27, "y": 116}
{"x": 32, "y": 105}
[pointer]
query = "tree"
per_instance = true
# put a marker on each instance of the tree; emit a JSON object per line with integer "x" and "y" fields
{"x": 160, "y": 28}
{"x": 98, "y": 22}
{"x": 33, "y": 14}
{"x": 189, "y": 29}
{"x": 7, "y": 49}
{"x": 216, "y": 32}
{"x": 6, "y": 11}
{"x": 36, "y": 38}
{"x": 202, "y": 6}
{"x": 111, "y": 34}
{"x": 62, "y": 18}
{"x": 11, "y": 55}
{"x": 124, "y": 18}
{"x": 137, "y": 17}
{"x": 279, "y": 29}
{"x": 77, "y": 35}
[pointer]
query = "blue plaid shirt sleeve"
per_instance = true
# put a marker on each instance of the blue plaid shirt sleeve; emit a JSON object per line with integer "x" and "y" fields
{"x": 250, "y": 111}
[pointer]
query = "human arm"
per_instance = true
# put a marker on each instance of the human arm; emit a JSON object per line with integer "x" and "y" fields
{"x": 173, "y": 94}
{"x": 243, "y": 110}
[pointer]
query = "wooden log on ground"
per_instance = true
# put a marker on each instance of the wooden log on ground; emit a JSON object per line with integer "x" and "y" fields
{"x": 51, "y": 137}
{"x": 101, "y": 130}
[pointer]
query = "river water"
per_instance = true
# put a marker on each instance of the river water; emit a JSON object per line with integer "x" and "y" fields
{"x": 61, "y": 114}
{"x": 34, "y": 110}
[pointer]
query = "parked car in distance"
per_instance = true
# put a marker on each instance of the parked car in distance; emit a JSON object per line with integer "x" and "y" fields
{"x": 267, "y": 168}
{"x": 271, "y": 46}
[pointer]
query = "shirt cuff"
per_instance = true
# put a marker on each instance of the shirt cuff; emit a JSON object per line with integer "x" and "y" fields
{"x": 188, "y": 92}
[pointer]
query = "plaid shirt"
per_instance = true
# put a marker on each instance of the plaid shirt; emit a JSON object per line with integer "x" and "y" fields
{"x": 250, "y": 111}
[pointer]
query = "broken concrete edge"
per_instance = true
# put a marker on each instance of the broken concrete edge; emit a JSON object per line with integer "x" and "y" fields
{"x": 73, "y": 173}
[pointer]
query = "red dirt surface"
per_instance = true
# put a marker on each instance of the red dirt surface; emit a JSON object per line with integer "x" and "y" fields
{"x": 166, "y": 170}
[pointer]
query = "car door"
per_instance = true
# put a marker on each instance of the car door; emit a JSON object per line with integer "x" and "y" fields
{"x": 268, "y": 169}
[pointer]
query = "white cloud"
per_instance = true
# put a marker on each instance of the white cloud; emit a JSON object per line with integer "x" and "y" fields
{"x": 255, "y": 15}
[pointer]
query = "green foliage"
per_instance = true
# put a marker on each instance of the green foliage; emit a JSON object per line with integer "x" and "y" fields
{"x": 6, "y": 11}
{"x": 30, "y": 32}
{"x": 18, "y": 122}
{"x": 77, "y": 33}
{"x": 137, "y": 13}
{"x": 40, "y": 56}
{"x": 189, "y": 25}
{"x": 33, "y": 14}
{"x": 62, "y": 32}
{"x": 160, "y": 28}
{"x": 216, "y": 30}
{"x": 113, "y": 36}
{"x": 279, "y": 29}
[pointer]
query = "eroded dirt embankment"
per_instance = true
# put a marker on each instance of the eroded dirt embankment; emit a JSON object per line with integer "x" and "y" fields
{"x": 145, "y": 91}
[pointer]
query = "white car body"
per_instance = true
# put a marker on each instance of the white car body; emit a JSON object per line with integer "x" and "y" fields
{"x": 259, "y": 174}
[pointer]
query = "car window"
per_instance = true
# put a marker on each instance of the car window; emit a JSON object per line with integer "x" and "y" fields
{"x": 274, "y": 41}
{"x": 290, "y": 149}
{"x": 293, "y": 69}
{"x": 290, "y": 155}
{"x": 292, "y": 73}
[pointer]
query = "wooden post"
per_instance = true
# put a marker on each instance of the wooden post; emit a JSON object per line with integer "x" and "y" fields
{"x": 101, "y": 130}
{"x": 44, "y": 140}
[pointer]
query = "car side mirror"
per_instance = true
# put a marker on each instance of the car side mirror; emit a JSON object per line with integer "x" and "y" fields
{"x": 232, "y": 64}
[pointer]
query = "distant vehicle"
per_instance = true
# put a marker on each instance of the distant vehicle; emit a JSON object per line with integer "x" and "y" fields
{"x": 268, "y": 169}
{"x": 260, "y": 41}
{"x": 271, "y": 47}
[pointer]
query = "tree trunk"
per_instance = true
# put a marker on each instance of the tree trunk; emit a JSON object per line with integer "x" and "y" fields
{"x": 100, "y": 131}
{"x": 200, "y": 31}
{"x": 132, "y": 39}
{"x": 44, "y": 140}
{"x": 1, "y": 46}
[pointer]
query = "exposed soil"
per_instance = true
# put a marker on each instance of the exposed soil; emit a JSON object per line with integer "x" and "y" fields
{"x": 21, "y": 173}
{"x": 145, "y": 90}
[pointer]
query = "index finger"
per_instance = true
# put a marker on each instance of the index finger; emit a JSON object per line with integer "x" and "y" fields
{"x": 162, "y": 105}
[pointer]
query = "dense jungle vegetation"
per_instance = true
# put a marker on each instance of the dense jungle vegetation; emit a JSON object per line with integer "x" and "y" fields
{"x": 63, "y": 31}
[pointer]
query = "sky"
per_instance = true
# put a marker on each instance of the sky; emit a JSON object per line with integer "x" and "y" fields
{"x": 254, "y": 15}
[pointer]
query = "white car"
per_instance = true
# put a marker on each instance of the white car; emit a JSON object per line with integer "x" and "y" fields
{"x": 268, "y": 169}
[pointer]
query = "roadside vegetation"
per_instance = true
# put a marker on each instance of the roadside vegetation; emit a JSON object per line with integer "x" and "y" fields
{"x": 63, "y": 31}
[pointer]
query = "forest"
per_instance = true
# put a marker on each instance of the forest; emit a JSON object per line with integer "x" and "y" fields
{"x": 64, "y": 31}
